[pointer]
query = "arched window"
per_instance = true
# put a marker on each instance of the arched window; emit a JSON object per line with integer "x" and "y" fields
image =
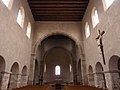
{"x": 21, "y": 16}
{"x": 44, "y": 67}
{"x": 70, "y": 68}
{"x": 6, "y": 2}
{"x": 107, "y": 3}
{"x": 28, "y": 33}
{"x": 87, "y": 30}
{"x": 95, "y": 19}
{"x": 57, "y": 70}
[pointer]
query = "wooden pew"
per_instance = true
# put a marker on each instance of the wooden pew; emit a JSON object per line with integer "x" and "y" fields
{"x": 43, "y": 87}
{"x": 80, "y": 87}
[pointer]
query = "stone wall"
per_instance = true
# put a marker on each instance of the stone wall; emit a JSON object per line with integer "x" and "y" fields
{"x": 14, "y": 44}
{"x": 109, "y": 21}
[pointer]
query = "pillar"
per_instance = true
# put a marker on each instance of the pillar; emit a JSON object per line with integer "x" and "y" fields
{"x": 5, "y": 80}
{"x": 32, "y": 67}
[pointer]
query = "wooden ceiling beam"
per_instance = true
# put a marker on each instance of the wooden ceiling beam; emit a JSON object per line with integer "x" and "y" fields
{"x": 57, "y": 9}
{"x": 58, "y": 18}
{"x": 55, "y": 14}
{"x": 59, "y": 12}
{"x": 58, "y": 6}
{"x": 55, "y": 2}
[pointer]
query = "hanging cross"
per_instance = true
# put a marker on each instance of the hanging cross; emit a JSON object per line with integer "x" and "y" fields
{"x": 99, "y": 41}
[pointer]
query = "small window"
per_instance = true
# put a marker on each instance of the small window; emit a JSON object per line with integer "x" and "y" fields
{"x": 44, "y": 67}
{"x": 95, "y": 19}
{"x": 28, "y": 32}
{"x": 57, "y": 70}
{"x": 87, "y": 30}
{"x": 6, "y": 2}
{"x": 107, "y": 3}
{"x": 20, "y": 17}
{"x": 70, "y": 68}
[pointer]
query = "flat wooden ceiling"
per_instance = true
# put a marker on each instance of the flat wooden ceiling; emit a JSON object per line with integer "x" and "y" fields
{"x": 58, "y": 10}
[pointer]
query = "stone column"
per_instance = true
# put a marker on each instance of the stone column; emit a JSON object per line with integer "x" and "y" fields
{"x": 32, "y": 67}
{"x": 5, "y": 80}
{"x": 109, "y": 81}
{"x": 83, "y": 70}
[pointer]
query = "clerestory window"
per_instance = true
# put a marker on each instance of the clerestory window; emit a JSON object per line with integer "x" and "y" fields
{"x": 87, "y": 30}
{"x": 21, "y": 17}
{"x": 95, "y": 19}
{"x": 28, "y": 32}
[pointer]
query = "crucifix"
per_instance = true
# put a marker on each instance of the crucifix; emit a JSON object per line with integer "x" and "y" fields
{"x": 100, "y": 44}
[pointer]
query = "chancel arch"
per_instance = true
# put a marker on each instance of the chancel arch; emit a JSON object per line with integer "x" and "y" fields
{"x": 40, "y": 40}
{"x": 101, "y": 83}
{"x": 59, "y": 49}
{"x": 2, "y": 69}
{"x": 91, "y": 79}
{"x": 114, "y": 69}
{"x": 13, "y": 79}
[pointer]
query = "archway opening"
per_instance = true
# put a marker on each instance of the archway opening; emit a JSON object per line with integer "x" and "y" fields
{"x": 58, "y": 62}
{"x": 2, "y": 69}
{"x": 13, "y": 80}
{"x": 100, "y": 76}
{"x": 114, "y": 67}
{"x": 24, "y": 76}
{"x": 64, "y": 48}
{"x": 91, "y": 76}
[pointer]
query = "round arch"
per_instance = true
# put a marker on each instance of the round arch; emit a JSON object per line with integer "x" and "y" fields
{"x": 24, "y": 76}
{"x": 37, "y": 43}
{"x": 100, "y": 75}
{"x": 24, "y": 70}
{"x": 91, "y": 76}
{"x": 114, "y": 68}
{"x": 14, "y": 75}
